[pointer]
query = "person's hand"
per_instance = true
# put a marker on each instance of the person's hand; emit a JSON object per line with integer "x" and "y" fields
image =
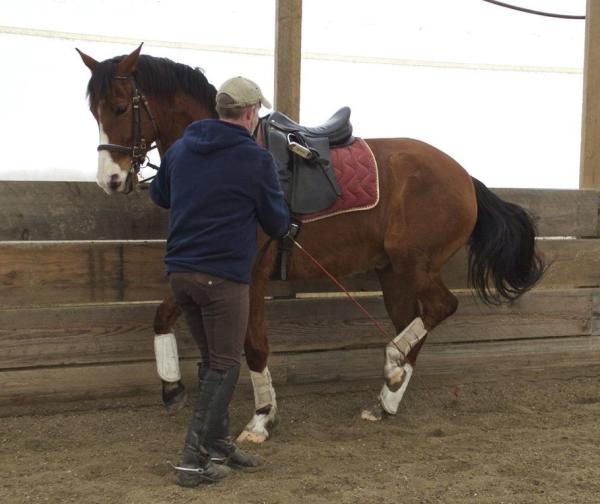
{"x": 293, "y": 230}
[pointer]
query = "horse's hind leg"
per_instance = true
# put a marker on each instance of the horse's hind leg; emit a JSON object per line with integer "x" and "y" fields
{"x": 167, "y": 359}
{"x": 256, "y": 348}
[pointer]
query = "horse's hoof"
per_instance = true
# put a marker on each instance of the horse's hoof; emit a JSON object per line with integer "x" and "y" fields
{"x": 259, "y": 428}
{"x": 174, "y": 398}
{"x": 174, "y": 407}
{"x": 376, "y": 414}
{"x": 372, "y": 415}
{"x": 252, "y": 437}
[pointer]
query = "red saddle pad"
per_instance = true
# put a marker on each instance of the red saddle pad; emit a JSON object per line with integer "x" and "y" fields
{"x": 356, "y": 171}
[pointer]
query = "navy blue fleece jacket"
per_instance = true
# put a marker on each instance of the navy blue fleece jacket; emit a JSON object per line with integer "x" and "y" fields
{"x": 218, "y": 184}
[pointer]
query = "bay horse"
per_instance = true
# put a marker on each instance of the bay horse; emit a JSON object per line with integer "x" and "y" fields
{"x": 429, "y": 208}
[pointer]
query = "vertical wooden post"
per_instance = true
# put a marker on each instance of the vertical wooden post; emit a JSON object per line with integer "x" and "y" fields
{"x": 288, "y": 43}
{"x": 589, "y": 173}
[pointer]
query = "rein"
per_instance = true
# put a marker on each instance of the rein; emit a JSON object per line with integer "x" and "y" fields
{"x": 140, "y": 148}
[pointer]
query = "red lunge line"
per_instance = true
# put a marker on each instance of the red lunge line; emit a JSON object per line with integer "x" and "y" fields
{"x": 334, "y": 280}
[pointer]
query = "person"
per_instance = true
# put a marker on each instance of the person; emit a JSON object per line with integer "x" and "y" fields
{"x": 218, "y": 184}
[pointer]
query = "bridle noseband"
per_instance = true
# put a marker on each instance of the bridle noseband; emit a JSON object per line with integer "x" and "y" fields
{"x": 140, "y": 148}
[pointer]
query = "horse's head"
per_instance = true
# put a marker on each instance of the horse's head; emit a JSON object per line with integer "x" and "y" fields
{"x": 126, "y": 126}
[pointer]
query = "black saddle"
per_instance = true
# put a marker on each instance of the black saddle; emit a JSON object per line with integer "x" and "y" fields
{"x": 337, "y": 129}
{"x": 303, "y": 160}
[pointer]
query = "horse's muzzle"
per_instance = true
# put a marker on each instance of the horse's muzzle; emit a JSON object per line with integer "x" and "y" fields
{"x": 115, "y": 182}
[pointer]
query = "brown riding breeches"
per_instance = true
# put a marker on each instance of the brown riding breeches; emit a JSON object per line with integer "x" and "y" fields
{"x": 216, "y": 311}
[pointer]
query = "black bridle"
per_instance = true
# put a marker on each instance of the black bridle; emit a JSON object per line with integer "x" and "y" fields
{"x": 140, "y": 148}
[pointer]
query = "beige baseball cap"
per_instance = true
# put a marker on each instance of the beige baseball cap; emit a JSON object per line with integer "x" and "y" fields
{"x": 244, "y": 93}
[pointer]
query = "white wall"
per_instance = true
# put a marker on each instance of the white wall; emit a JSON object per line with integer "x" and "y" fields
{"x": 498, "y": 90}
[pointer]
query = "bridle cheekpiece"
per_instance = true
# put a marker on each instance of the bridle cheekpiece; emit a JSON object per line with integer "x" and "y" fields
{"x": 140, "y": 148}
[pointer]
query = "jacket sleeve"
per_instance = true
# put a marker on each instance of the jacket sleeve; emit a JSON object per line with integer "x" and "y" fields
{"x": 271, "y": 209}
{"x": 160, "y": 187}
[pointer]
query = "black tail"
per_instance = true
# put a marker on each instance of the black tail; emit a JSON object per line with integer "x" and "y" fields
{"x": 503, "y": 261}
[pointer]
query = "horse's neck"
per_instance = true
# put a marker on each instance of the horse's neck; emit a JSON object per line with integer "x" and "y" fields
{"x": 172, "y": 118}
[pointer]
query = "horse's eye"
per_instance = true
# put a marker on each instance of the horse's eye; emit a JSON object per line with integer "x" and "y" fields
{"x": 120, "y": 110}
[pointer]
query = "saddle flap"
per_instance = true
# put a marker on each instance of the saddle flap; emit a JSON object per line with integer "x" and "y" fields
{"x": 314, "y": 186}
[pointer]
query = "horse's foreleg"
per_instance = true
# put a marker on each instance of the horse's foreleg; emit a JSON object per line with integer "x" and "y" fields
{"x": 256, "y": 348}
{"x": 167, "y": 359}
{"x": 400, "y": 357}
{"x": 401, "y": 352}
{"x": 436, "y": 304}
{"x": 261, "y": 425}
{"x": 403, "y": 293}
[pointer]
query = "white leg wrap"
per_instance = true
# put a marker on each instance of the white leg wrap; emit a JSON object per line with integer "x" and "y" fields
{"x": 167, "y": 360}
{"x": 264, "y": 393}
{"x": 390, "y": 400}
{"x": 257, "y": 430}
{"x": 397, "y": 350}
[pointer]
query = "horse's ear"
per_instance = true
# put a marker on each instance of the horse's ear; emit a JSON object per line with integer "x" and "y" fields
{"x": 90, "y": 62}
{"x": 127, "y": 64}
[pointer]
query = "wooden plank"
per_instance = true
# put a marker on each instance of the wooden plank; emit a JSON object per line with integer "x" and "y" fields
{"x": 84, "y": 383}
{"x": 57, "y": 273}
{"x": 82, "y": 335}
{"x": 76, "y": 211}
{"x": 48, "y": 273}
{"x": 538, "y": 314}
{"x": 123, "y": 332}
{"x": 596, "y": 313}
{"x": 491, "y": 360}
{"x": 497, "y": 358}
{"x": 558, "y": 212}
{"x": 288, "y": 44}
{"x": 572, "y": 264}
{"x": 82, "y": 211}
{"x": 589, "y": 175}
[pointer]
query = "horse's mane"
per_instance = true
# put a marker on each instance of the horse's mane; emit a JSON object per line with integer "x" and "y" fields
{"x": 158, "y": 77}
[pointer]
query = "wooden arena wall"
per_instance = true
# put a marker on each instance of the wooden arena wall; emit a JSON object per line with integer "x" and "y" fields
{"x": 81, "y": 274}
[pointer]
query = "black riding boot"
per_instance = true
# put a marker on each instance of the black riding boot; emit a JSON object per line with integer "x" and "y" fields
{"x": 195, "y": 466}
{"x": 214, "y": 426}
{"x": 225, "y": 451}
